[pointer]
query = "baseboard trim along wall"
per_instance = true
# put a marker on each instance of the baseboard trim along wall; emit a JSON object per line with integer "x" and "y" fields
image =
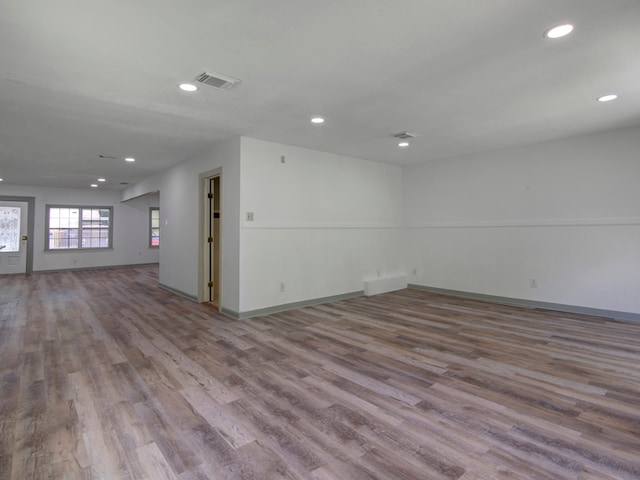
{"x": 289, "y": 306}
{"x": 99, "y": 267}
{"x": 178, "y": 292}
{"x": 518, "y": 302}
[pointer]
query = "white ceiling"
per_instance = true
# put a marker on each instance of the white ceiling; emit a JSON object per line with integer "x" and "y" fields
{"x": 79, "y": 79}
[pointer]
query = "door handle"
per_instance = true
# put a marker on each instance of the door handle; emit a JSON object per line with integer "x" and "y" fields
{"x": 25, "y": 238}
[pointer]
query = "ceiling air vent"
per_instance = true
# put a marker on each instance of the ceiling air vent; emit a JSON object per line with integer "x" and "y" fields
{"x": 404, "y": 135}
{"x": 216, "y": 80}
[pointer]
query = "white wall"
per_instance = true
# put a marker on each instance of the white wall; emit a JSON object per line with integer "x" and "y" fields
{"x": 322, "y": 224}
{"x": 566, "y": 213}
{"x": 180, "y": 204}
{"x": 130, "y": 227}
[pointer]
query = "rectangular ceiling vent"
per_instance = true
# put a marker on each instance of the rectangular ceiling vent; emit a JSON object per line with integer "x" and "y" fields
{"x": 404, "y": 135}
{"x": 216, "y": 80}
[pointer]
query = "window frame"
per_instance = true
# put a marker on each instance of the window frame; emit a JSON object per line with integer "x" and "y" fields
{"x": 151, "y": 227}
{"x": 80, "y": 208}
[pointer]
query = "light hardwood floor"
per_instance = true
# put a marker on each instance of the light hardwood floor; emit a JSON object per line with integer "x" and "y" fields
{"x": 106, "y": 376}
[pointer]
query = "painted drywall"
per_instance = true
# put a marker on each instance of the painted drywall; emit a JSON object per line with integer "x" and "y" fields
{"x": 180, "y": 204}
{"x": 130, "y": 228}
{"x": 322, "y": 224}
{"x": 565, "y": 214}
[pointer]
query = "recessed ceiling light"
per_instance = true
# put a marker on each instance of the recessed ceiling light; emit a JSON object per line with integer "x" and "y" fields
{"x": 559, "y": 31}
{"x": 94, "y": 185}
{"x": 188, "y": 87}
{"x": 102, "y": 179}
{"x": 607, "y": 98}
{"x": 1, "y": 179}
{"x": 403, "y": 144}
{"x": 129, "y": 159}
{"x": 317, "y": 120}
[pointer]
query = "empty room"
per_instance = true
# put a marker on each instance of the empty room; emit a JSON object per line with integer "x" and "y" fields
{"x": 320, "y": 240}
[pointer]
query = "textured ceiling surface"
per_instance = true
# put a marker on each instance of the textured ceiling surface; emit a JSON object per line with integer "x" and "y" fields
{"x": 79, "y": 79}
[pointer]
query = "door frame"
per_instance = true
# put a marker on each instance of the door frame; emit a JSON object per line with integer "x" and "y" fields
{"x": 204, "y": 259}
{"x": 31, "y": 210}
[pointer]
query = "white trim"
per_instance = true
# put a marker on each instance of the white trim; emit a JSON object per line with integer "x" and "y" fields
{"x": 552, "y": 222}
{"x": 255, "y": 225}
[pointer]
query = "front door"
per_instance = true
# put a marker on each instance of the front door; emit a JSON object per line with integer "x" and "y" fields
{"x": 13, "y": 237}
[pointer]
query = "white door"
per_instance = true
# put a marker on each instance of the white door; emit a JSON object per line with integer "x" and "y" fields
{"x": 13, "y": 237}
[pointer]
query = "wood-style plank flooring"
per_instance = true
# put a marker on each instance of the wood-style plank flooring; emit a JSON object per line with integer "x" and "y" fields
{"x": 106, "y": 376}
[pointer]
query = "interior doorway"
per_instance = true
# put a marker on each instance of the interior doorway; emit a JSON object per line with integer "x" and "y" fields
{"x": 211, "y": 257}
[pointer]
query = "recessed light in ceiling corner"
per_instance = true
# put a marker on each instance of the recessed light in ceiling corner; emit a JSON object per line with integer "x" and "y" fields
{"x": 187, "y": 87}
{"x": 559, "y": 31}
{"x": 102, "y": 179}
{"x": 403, "y": 144}
{"x": 129, "y": 159}
{"x": 94, "y": 185}
{"x": 1, "y": 179}
{"x": 317, "y": 120}
{"x": 607, "y": 98}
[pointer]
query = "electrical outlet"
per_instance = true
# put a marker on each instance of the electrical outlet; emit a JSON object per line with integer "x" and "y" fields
{"x": 533, "y": 283}
{"x": 283, "y": 287}
{"x": 249, "y": 216}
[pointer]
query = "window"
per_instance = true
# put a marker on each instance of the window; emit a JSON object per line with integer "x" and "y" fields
{"x": 78, "y": 227}
{"x": 154, "y": 227}
{"x": 10, "y": 229}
